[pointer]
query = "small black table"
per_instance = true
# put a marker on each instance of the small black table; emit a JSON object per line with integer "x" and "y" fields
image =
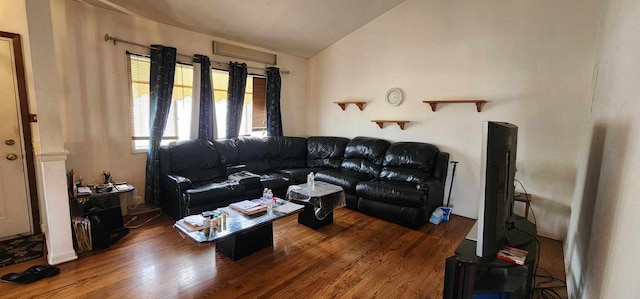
{"x": 467, "y": 274}
{"x": 319, "y": 202}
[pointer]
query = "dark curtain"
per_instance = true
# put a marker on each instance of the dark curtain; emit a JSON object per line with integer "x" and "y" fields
{"x": 274, "y": 119}
{"x": 163, "y": 68}
{"x": 207, "y": 113}
{"x": 235, "y": 97}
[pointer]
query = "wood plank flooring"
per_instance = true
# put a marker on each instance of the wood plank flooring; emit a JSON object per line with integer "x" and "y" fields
{"x": 356, "y": 257}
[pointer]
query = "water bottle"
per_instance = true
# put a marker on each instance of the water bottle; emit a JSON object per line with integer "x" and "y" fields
{"x": 269, "y": 199}
{"x": 311, "y": 184}
{"x": 264, "y": 195}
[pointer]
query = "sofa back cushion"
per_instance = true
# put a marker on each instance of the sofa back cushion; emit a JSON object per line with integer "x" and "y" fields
{"x": 325, "y": 152}
{"x": 253, "y": 152}
{"x": 228, "y": 151}
{"x": 409, "y": 161}
{"x": 287, "y": 152}
{"x": 365, "y": 155}
{"x": 196, "y": 159}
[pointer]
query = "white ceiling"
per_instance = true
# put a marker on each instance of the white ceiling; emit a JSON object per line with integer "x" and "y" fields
{"x": 297, "y": 27}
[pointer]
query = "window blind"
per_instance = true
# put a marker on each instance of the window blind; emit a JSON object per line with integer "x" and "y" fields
{"x": 139, "y": 68}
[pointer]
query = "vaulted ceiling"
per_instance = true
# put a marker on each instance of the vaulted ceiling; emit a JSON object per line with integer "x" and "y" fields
{"x": 298, "y": 27}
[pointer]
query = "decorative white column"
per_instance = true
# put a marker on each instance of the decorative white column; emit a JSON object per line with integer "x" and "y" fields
{"x": 55, "y": 208}
{"x": 45, "y": 44}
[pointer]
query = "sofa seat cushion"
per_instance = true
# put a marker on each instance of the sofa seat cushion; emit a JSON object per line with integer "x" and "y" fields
{"x": 346, "y": 179}
{"x": 277, "y": 182}
{"x": 205, "y": 194}
{"x": 396, "y": 193}
{"x": 299, "y": 175}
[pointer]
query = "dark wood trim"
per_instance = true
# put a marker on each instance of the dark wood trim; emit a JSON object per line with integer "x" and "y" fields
{"x": 26, "y": 129}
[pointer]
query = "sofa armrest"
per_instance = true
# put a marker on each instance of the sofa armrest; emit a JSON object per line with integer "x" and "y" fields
{"x": 435, "y": 191}
{"x": 441, "y": 166}
{"x": 172, "y": 194}
{"x": 179, "y": 180}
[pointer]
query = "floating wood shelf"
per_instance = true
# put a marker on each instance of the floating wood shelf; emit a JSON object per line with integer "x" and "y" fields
{"x": 344, "y": 104}
{"x": 399, "y": 122}
{"x": 434, "y": 104}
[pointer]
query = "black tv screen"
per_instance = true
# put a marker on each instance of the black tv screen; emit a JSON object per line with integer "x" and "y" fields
{"x": 499, "y": 145}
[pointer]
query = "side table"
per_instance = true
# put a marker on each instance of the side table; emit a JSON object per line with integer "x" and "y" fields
{"x": 469, "y": 276}
{"x": 319, "y": 202}
{"x": 526, "y": 199}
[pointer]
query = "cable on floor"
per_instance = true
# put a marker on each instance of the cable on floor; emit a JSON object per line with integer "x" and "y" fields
{"x": 141, "y": 224}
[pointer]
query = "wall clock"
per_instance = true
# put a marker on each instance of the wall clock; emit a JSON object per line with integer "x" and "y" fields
{"x": 394, "y": 96}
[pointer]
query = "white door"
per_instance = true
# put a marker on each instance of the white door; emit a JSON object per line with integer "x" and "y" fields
{"x": 15, "y": 215}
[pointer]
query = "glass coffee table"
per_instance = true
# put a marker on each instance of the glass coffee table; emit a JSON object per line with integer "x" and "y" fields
{"x": 241, "y": 235}
{"x": 318, "y": 202}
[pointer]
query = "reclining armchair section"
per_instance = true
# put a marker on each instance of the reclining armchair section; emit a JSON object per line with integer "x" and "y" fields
{"x": 193, "y": 179}
{"x": 400, "y": 182}
{"x": 362, "y": 162}
{"x": 408, "y": 189}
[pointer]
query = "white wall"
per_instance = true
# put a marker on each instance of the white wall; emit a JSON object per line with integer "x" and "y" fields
{"x": 603, "y": 239}
{"x": 97, "y": 96}
{"x": 532, "y": 60}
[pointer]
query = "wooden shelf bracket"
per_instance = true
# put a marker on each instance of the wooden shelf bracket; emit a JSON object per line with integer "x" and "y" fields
{"x": 434, "y": 104}
{"x": 344, "y": 104}
{"x": 400, "y": 123}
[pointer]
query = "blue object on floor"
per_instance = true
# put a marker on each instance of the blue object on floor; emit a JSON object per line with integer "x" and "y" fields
{"x": 446, "y": 211}
{"x": 437, "y": 216}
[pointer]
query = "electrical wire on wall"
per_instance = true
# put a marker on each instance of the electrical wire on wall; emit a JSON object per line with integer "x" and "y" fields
{"x": 543, "y": 288}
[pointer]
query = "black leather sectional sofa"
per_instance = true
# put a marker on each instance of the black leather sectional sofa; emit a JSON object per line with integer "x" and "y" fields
{"x": 401, "y": 182}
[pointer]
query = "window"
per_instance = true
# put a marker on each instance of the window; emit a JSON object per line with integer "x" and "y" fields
{"x": 179, "y": 120}
{"x": 253, "y": 120}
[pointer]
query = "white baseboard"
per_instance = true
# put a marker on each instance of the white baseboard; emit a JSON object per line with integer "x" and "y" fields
{"x": 62, "y": 258}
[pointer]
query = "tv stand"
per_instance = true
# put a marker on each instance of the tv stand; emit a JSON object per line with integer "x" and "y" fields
{"x": 518, "y": 237}
{"x": 467, "y": 274}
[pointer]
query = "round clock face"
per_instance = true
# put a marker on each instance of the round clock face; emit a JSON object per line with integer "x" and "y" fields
{"x": 394, "y": 96}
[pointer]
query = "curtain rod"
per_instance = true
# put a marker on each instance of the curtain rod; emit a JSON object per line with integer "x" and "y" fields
{"x": 115, "y": 40}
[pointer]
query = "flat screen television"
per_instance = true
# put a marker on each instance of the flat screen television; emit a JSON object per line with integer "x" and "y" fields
{"x": 498, "y": 167}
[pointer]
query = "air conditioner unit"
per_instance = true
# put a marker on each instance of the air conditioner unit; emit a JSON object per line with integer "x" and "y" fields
{"x": 229, "y": 50}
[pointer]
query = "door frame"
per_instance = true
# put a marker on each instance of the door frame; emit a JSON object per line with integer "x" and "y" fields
{"x": 25, "y": 118}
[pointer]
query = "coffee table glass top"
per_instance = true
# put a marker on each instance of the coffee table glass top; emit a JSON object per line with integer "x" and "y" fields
{"x": 236, "y": 223}
{"x": 324, "y": 197}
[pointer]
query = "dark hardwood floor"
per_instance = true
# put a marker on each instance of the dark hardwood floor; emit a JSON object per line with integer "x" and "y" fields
{"x": 357, "y": 256}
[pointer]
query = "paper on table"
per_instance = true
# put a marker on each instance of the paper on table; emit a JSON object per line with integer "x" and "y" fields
{"x": 194, "y": 220}
{"x": 288, "y": 207}
{"x": 188, "y": 228}
{"x": 84, "y": 190}
{"x": 122, "y": 187}
{"x": 244, "y": 205}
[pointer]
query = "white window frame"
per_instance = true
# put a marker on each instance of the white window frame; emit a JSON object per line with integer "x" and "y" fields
{"x": 247, "y": 111}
